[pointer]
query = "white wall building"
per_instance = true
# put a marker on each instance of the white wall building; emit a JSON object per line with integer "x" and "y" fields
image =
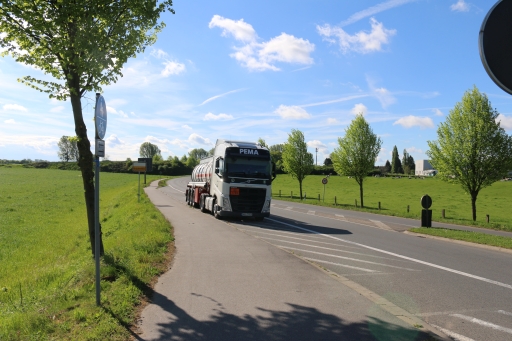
{"x": 424, "y": 168}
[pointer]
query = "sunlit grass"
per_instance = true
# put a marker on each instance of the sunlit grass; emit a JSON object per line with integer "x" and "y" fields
{"x": 396, "y": 195}
{"x": 47, "y": 287}
{"x": 468, "y": 236}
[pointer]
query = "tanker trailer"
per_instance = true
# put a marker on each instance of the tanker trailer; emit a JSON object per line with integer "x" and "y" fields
{"x": 234, "y": 182}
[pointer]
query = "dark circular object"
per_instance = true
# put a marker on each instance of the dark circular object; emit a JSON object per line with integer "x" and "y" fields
{"x": 495, "y": 44}
{"x": 324, "y": 181}
{"x": 426, "y": 201}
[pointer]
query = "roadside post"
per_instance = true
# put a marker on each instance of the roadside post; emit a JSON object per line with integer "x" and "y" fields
{"x": 426, "y": 214}
{"x": 100, "y": 120}
{"x": 149, "y": 165}
{"x": 139, "y": 167}
{"x": 324, "y": 182}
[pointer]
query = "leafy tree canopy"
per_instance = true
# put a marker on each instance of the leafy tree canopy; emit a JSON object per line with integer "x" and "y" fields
{"x": 297, "y": 161}
{"x": 148, "y": 150}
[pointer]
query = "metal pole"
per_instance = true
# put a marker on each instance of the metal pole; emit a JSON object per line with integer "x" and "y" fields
{"x": 97, "y": 222}
{"x": 324, "y": 194}
{"x": 139, "y": 189}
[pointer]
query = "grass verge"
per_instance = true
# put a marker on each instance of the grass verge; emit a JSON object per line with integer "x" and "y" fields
{"x": 47, "y": 281}
{"x": 467, "y": 236}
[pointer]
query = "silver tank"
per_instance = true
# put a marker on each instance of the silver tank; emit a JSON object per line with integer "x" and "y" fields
{"x": 203, "y": 171}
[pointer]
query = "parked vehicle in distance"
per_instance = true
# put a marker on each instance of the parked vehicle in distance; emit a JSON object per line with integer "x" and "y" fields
{"x": 234, "y": 182}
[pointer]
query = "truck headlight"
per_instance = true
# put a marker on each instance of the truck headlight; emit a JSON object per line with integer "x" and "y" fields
{"x": 266, "y": 207}
{"x": 226, "y": 206}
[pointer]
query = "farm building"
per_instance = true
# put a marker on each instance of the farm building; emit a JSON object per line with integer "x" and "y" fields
{"x": 424, "y": 168}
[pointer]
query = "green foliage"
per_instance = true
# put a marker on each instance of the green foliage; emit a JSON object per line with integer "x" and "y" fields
{"x": 68, "y": 149}
{"x": 198, "y": 153}
{"x": 396, "y": 165}
{"x": 468, "y": 236}
{"x": 148, "y": 150}
{"x": 297, "y": 161}
{"x": 357, "y": 152}
{"x": 47, "y": 276}
{"x": 472, "y": 150}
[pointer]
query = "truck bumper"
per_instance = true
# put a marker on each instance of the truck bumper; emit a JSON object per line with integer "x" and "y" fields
{"x": 243, "y": 215}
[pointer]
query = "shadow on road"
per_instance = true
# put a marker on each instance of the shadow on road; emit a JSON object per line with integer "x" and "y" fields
{"x": 297, "y": 323}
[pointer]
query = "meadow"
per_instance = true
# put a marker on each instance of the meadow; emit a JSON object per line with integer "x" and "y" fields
{"x": 47, "y": 278}
{"x": 396, "y": 195}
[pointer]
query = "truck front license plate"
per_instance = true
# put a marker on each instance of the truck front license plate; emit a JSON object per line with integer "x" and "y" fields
{"x": 246, "y": 214}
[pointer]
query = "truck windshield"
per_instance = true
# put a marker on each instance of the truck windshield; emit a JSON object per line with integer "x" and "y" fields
{"x": 248, "y": 168}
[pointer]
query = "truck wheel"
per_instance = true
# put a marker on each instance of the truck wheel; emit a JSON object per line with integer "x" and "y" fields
{"x": 202, "y": 204}
{"x": 215, "y": 212}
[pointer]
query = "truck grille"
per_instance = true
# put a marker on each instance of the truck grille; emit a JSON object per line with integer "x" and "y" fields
{"x": 249, "y": 200}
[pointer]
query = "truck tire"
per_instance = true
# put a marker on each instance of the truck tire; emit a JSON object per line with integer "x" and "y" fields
{"x": 202, "y": 205}
{"x": 215, "y": 214}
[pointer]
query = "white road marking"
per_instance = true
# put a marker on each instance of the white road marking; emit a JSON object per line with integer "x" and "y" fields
{"x": 381, "y": 225}
{"x": 289, "y": 208}
{"x": 175, "y": 189}
{"x": 326, "y": 248}
{"x": 504, "y": 312}
{"x": 483, "y": 323}
{"x": 293, "y": 233}
{"x": 311, "y": 212}
{"x": 347, "y": 258}
{"x": 340, "y": 216}
{"x": 483, "y": 279}
{"x": 453, "y": 335}
{"x": 343, "y": 265}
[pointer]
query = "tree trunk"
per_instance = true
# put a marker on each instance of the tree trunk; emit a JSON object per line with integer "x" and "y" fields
{"x": 361, "y": 193}
{"x": 85, "y": 162}
{"x": 300, "y": 189}
{"x": 473, "y": 205}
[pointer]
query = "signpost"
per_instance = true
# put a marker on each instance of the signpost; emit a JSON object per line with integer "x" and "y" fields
{"x": 100, "y": 120}
{"x": 149, "y": 165}
{"x": 139, "y": 167}
{"x": 324, "y": 181}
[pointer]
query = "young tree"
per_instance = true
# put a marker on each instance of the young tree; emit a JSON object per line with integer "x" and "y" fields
{"x": 148, "y": 150}
{"x": 357, "y": 152}
{"x": 83, "y": 45}
{"x": 297, "y": 161}
{"x": 471, "y": 150}
{"x": 68, "y": 149}
{"x": 387, "y": 167}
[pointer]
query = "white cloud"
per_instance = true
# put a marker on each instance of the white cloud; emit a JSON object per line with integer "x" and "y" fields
{"x": 113, "y": 141}
{"x": 411, "y": 121}
{"x": 14, "y": 107}
{"x": 318, "y": 144}
{"x": 186, "y": 127}
{"x": 460, "y": 6}
{"x": 57, "y": 109}
{"x": 195, "y": 138}
{"x": 212, "y": 117}
{"x": 359, "y": 108}
{"x": 505, "y": 121}
{"x": 437, "y": 112}
{"x": 292, "y": 112}
{"x": 172, "y": 68}
{"x": 111, "y": 110}
{"x": 239, "y": 29}
{"x": 11, "y": 121}
{"x": 361, "y": 42}
{"x": 261, "y": 56}
{"x": 332, "y": 121}
{"x": 382, "y": 94}
{"x": 414, "y": 150}
{"x": 384, "y": 6}
{"x": 221, "y": 95}
{"x": 159, "y": 54}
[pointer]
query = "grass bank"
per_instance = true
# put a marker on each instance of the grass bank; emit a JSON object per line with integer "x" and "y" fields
{"x": 467, "y": 236}
{"x": 401, "y": 197}
{"x": 47, "y": 278}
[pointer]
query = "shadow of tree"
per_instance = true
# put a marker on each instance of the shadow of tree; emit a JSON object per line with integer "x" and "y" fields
{"x": 297, "y": 323}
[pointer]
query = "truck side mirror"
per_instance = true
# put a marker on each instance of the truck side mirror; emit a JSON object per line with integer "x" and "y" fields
{"x": 273, "y": 170}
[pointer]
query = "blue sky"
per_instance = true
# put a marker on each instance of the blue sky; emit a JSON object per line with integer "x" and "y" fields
{"x": 245, "y": 70}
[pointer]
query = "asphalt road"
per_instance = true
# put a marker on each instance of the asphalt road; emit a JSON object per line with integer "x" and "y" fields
{"x": 462, "y": 291}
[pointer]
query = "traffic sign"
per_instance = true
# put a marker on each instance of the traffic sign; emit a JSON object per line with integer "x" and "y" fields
{"x": 100, "y": 117}
{"x": 495, "y": 44}
{"x": 139, "y": 167}
{"x": 324, "y": 181}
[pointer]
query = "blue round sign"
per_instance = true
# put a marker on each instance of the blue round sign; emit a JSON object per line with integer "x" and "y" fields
{"x": 100, "y": 117}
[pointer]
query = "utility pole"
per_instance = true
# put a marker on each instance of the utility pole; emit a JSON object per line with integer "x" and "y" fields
{"x": 316, "y": 156}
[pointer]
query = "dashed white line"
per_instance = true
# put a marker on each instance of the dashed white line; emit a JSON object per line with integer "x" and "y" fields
{"x": 343, "y": 265}
{"x": 381, "y": 225}
{"x": 311, "y": 212}
{"x": 483, "y": 279}
{"x": 289, "y": 208}
{"x": 347, "y": 258}
{"x": 453, "y": 335}
{"x": 504, "y": 312}
{"x": 483, "y": 323}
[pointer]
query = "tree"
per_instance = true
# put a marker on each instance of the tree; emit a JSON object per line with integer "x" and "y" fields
{"x": 198, "y": 154}
{"x": 262, "y": 143}
{"x": 148, "y": 150}
{"x": 328, "y": 161}
{"x": 396, "y": 165}
{"x": 357, "y": 152}
{"x": 68, "y": 150}
{"x": 276, "y": 154}
{"x": 472, "y": 149}
{"x": 83, "y": 45}
{"x": 387, "y": 167}
{"x": 297, "y": 161}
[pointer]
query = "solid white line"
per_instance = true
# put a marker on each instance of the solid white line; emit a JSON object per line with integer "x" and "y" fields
{"x": 347, "y": 258}
{"x": 508, "y": 286}
{"x": 295, "y": 233}
{"x": 504, "y": 312}
{"x": 328, "y": 248}
{"x": 343, "y": 265}
{"x": 483, "y": 323}
{"x": 453, "y": 335}
{"x": 176, "y": 189}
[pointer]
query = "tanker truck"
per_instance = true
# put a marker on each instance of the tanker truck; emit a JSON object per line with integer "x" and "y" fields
{"x": 234, "y": 182}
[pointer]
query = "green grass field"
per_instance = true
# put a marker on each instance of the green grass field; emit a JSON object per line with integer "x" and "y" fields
{"x": 396, "y": 194}
{"x": 467, "y": 236}
{"x": 47, "y": 283}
